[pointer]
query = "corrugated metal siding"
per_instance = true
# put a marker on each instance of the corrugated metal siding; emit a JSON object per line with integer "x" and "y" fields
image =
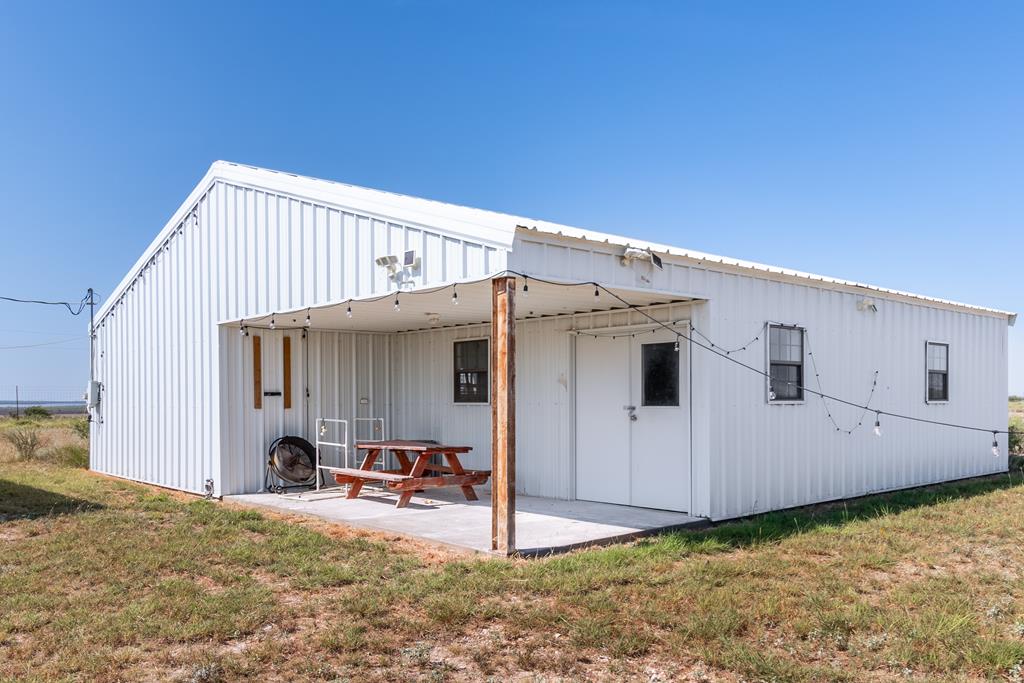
{"x": 422, "y": 376}
{"x": 754, "y": 457}
{"x": 250, "y": 252}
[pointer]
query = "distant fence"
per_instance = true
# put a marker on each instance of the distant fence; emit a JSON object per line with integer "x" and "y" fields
{"x": 15, "y": 398}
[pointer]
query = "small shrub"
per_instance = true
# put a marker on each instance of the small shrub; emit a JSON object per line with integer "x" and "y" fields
{"x": 1017, "y": 435}
{"x": 70, "y": 456}
{"x": 81, "y": 428}
{"x": 26, "y": 441}
{"x": 37, "y": 413}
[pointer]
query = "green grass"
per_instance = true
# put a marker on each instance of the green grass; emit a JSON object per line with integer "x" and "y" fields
{"x": 106, "y": 580}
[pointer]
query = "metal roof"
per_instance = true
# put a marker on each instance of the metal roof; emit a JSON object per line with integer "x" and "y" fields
{"x": 494, "y": 228}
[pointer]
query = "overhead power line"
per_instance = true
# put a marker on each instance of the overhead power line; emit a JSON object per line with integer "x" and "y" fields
{"x": 73, "y": 308}
{"x": 48, "y": 343}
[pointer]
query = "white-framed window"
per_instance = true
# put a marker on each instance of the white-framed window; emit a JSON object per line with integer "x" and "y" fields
{"x": 936, "y": 365}
{"x": 471, "y": 360}
{"x": 785, "y": 363}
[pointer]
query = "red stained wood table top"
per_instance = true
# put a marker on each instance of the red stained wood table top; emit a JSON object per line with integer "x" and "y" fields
{"x": 410, "y": 445}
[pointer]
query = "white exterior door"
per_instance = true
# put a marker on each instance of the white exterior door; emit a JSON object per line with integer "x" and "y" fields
{"x": 281, "y": 410}
{"x": 633, "y": 421}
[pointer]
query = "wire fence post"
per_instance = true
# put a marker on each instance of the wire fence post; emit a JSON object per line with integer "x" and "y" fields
{"x": 17, "y": 403}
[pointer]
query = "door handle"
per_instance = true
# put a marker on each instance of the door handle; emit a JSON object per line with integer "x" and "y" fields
{"x": 632, "y": 412}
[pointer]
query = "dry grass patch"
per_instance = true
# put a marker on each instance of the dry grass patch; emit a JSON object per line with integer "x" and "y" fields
{"x": 105, "y": 580}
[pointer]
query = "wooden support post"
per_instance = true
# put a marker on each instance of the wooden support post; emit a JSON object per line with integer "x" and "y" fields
{"x": 503, "y": 415}
{"x": 257, "y": 374}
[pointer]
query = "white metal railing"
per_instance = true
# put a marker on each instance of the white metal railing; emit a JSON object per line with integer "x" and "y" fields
{"x": 376, "y": 428}
{"x": 342, "y": 444}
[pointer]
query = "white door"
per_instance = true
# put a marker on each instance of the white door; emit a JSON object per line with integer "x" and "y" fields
{"x": 632, "y": 420}
{"x": 602, "y": 424}
{"x": 275, "y": 396}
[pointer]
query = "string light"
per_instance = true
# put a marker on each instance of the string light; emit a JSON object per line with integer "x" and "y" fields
{"x": 878, "y": 424}
{"x": 455, "y": 296}
{"x": 526, "y": 287}
{"x": 995, "y": 445}
{"x": 273, "y": 323}
{"x": 348, "y": 311}
{"x": 307, "y": 318}
{"x": 676, "y": 346}
{"x": 597, "y": 292}
{"x": 397, "y": 307}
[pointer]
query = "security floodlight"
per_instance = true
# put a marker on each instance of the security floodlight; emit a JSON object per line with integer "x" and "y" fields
{"x": 390, "y": 262}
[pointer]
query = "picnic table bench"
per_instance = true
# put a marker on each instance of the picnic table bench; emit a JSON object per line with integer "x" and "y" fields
{"x": 412, "y": 475}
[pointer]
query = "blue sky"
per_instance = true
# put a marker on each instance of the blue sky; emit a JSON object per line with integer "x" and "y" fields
{"x": 882, "y": 142}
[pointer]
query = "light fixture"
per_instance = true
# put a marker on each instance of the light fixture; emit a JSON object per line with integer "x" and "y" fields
{"x": 348, "y": 311}
{"x": 455, "y": 296}
{"x": 597, "y": 292}
{"x": 273, "y": 324}
{"x": 995, "y": 444}
{"x": 307, "y": 318}
{"x": 397, "y": 307}
{"x": 676, "y": 347}
{"x": 771, "y": 395}
{"x": 243, "y": 331}
{"x": 526, "y": 287}
{"x": 323, "y": 429}
{"x": 878, "y": 424}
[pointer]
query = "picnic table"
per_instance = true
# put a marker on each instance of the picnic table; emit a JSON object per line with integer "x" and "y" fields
{"x": 414, "y": 474}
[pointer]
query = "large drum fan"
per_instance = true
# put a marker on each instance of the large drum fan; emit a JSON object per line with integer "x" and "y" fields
{"x": 291, "y": 459}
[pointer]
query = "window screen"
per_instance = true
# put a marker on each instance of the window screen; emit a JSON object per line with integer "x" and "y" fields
{"x": 937, "y": 361}
{"x": 786, "y": 363}
{"x": 660, "y": 374}
{"x": 472, "y": 361}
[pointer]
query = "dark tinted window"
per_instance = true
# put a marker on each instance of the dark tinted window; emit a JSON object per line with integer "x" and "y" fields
{"x": 472, "y": 361}
{"x": 937, "y": 360}
{"x": 660, "y": 374}
{"x": 786, "y": 363}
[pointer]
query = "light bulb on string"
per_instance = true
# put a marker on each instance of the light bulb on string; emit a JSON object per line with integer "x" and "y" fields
{"x": 526, "y": 287}
{"x": 675, "y": 347}
{"x": 397, "y": 307}
{"x": 307, "y": 318}
{"x": 878, "y": 424}
{"x": 348, "y": 311}
{"x": 273, "y": 324}
{"x": 455, "y": 296}
{"x": 597, "y": 292}
{"x": 323, "y": 429}
{"x": 995, "y": 444}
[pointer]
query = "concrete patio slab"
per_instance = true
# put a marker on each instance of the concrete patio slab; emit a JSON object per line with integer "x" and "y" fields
{"x": 543, "y": 525}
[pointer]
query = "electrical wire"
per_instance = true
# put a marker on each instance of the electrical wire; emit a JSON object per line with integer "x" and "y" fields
{"x": 710, "y": 347}
{"x": 751, "y": 368}
{"x": 756, "y": 339}
{"x": 73, "y": 311}
{"x": 49, "y": 343}
{"x": 824, "y": 401}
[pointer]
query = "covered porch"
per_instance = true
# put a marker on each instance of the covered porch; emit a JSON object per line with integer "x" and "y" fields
{"x": 542, "y": 525}
{"x": 386, "y": 364}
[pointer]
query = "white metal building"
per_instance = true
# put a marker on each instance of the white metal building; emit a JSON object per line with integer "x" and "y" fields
{"x": 606, "y": 409}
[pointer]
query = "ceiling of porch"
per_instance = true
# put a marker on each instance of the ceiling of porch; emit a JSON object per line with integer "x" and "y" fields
{"x": 435, "y": 308}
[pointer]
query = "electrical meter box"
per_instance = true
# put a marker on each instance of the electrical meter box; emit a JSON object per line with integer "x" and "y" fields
{"x": 92, "y": 395}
